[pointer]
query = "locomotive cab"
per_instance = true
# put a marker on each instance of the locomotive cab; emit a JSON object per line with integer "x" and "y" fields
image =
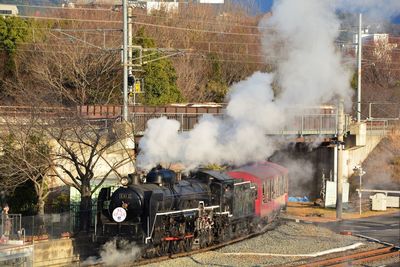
{"x": 221, "y": 188}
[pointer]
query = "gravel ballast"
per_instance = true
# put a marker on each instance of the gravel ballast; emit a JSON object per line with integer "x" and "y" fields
{"x": 290, "y": 238}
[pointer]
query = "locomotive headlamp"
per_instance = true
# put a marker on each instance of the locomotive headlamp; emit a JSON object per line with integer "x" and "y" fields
{"x": 124, "y": 181}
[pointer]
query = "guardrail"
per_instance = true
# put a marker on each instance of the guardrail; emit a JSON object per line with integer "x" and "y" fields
{"x": 386, "y": 192}
{"x": 377, "y": 127}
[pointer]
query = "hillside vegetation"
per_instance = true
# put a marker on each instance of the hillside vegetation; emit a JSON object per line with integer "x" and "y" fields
{"x": 194, "y": 56}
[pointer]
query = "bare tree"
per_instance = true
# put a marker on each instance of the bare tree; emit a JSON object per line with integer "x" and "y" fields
{"x": 25, "y": 151}
{"x": 80, "y": 158}
{"x": 75, "y": 64}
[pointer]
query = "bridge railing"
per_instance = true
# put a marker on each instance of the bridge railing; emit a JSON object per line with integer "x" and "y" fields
{"x": 377, "y": 127}
{"x": 186, "y": 120}
{"x": 304, "y": 124}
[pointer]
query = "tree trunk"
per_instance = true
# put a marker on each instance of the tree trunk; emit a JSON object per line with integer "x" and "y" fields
{"x": 42, "y": 226}
{"x": 85, "y": 208}
{"x": 40, "y": 206}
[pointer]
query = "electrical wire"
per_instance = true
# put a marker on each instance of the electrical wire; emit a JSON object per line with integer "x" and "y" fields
{"x": 143, "y": 24}
{"x": 225, "y": 23}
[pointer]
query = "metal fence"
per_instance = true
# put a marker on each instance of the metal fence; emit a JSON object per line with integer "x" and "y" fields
{"x": 10, "y": 227}
{"x": 28, "y": 228}
{"x": 48, "y": 226}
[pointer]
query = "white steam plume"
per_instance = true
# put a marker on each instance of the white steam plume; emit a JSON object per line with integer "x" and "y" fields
{"x": 310, "y": 68}
{"x": 110, "y": 255}
{"x": 309, "y": 73}
{"x": 238, "y": 138}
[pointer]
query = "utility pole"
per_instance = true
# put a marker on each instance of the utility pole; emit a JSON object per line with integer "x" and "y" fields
{"x": 359, "y": 55}
{"x": 339, "y": 184}
{"x": 131, "y": 79}
{"x": 125, "y": 59}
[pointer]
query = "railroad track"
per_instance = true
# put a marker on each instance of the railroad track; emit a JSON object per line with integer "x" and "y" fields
{"x": 139, "y": 262}
{"x": 357, "y": 258}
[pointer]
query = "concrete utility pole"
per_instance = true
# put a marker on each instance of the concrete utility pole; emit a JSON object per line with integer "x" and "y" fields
{"x": 125, "y": 59}
{"x": 131, "y": 84}
{"x": 359, "y": 55}
{"x": 339, "y": 185}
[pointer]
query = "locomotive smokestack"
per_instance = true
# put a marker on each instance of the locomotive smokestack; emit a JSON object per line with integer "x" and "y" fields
{"x": 135, "y": 178}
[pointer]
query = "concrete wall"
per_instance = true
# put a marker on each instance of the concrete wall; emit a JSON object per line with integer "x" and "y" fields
{"x": 356, "y": 155}
{"x": 120, "y": 154}
{"x": 58, "y": 252}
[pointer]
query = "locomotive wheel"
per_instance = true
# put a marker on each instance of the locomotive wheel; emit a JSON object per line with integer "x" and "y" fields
{"x": 187, "y": 244}
{"x": 203, "y": 239}
{"x": 163, "y": 248}
{"x": 150, "y": 252}
{"x": 174, "y": 247}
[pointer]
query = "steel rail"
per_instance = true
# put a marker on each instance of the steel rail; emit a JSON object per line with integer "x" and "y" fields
{"x": 371, "y": 259}
{"x": 159, "y": 259}
{"x": 359, "y": 257}
{"x": 202, "y": 250}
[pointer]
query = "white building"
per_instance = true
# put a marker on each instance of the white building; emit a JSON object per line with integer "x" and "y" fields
{"x": 8, "y": 10}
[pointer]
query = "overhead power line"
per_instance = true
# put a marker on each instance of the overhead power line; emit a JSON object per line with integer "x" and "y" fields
{"x": 144, "y": 24}
{"x": 139, "y": 23}
{"x": 202, "y": 20}
{"x": 199, "y": 20}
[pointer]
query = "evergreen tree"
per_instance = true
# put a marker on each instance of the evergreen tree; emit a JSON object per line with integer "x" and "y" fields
{"x": 160, "y": 75}
{"x": 13, "y": 31}
{"x": 216, "y": 87}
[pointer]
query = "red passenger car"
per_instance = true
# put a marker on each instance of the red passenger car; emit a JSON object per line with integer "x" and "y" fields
{"x": 272, "y": 187}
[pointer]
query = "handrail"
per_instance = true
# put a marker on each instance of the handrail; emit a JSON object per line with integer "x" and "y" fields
{"x": 378, "y": 191}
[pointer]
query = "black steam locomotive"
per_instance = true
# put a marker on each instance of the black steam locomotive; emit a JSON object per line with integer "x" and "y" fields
{"x": 168, "y": 214}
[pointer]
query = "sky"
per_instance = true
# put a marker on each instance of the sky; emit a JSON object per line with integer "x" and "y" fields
{"x": 265, "y": 5}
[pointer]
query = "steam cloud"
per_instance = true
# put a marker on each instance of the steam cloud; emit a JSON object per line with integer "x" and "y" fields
{"x": 309, "y": 72}
{"x": 111, "y": 256}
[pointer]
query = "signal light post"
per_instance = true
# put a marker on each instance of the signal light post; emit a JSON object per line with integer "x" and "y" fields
{"x": 359, "y": 172}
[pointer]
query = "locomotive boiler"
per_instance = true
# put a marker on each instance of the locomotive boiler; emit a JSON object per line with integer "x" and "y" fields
{"x": 168, "y": 214}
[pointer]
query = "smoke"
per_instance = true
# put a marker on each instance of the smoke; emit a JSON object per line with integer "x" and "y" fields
{"x": 110, "y": 255}
{"x": 301, "y": 174}
{"x": 237, "y": 138}
{"x": 309, "y": 72}
{"x": 310, "y": 69}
